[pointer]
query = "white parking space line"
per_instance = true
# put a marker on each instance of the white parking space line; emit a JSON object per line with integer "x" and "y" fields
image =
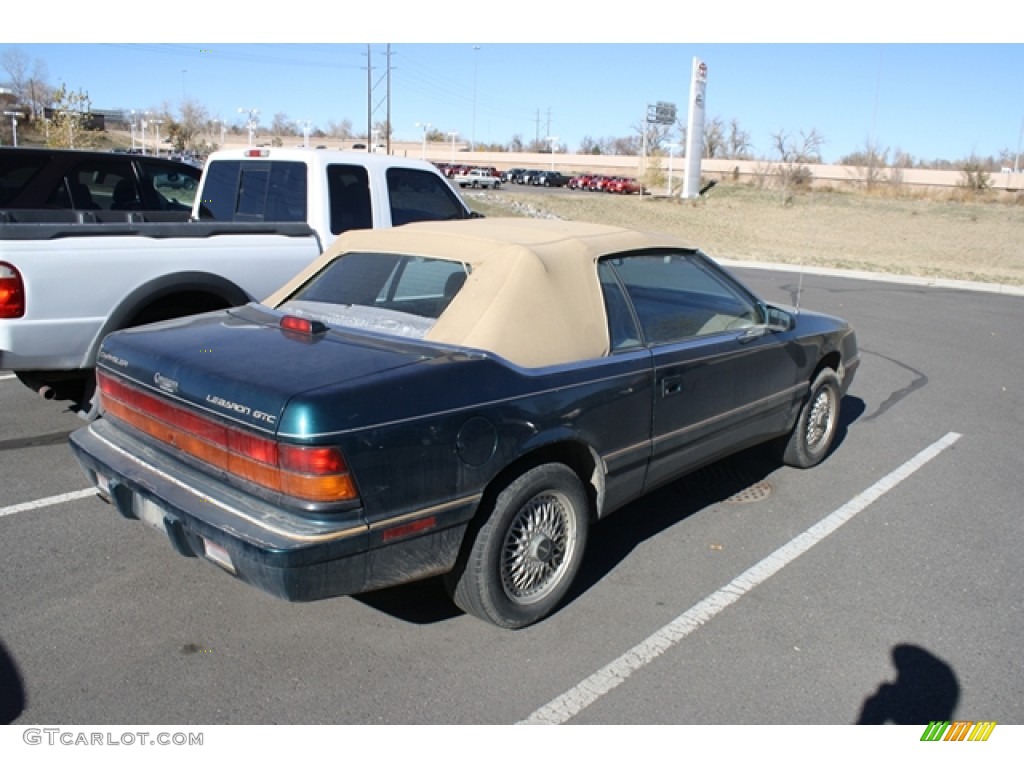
{"x": 575, "y": 700}
{"x": 47, "y": 502}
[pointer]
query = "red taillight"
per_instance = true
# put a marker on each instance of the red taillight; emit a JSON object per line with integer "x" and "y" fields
{"x": 302, "y": 325}
{"x": 257, "y": 153}
{"x": 311, "y": 460}
{"x": 12, "y": 292}
{"x": 310, "y": 473}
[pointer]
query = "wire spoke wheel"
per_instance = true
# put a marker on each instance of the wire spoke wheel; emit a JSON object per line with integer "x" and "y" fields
{"x": 821, "y": 420}
{"x": 817, "y": 424}
{"x": 519, "y": 565}
{"x": 537, "y": 547}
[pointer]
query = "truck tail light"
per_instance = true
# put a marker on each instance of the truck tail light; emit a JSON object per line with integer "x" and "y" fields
{"x": 311, "y": 473}
{"x": 12, "y": 292}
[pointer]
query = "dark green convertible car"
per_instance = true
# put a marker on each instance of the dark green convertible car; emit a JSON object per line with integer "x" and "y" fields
{"x": 460, "y": 398}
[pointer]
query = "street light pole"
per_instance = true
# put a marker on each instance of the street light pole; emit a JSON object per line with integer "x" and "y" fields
{"x": 423, "y": 146}
{"x": 452, "y": 135}
{"x": 250, "y": 120}
{"x": 157, "y": 123}
{"x": 552, "y": 140}
{"x": 671, "y": 153}
{"x": 14, "y": 124}
{"x": 472, "y": 142}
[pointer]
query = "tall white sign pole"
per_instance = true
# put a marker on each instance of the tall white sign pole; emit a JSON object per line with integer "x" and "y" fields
{"x": 695, "y": 129}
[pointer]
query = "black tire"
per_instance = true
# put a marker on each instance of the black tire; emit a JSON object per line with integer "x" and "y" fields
{"x": 816, "y": 426}
{"x": 524, "y": 557}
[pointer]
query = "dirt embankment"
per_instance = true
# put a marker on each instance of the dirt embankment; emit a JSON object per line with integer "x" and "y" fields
{"x": 960, "y": 240}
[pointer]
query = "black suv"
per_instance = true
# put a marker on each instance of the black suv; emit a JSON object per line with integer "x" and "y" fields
{"x": 84, "y": 180}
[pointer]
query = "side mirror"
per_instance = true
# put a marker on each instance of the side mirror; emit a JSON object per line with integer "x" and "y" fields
{"x": 777, "y": 320}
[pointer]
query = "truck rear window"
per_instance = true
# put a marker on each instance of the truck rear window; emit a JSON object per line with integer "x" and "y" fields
{"x": 254, "y": 190}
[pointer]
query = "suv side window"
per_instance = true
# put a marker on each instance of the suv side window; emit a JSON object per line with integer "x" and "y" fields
{"x": 421, "y": 196}
{"x": 94, "y": 185}
{"x": 172, "y": 188}
{"x": 16, "y": 172}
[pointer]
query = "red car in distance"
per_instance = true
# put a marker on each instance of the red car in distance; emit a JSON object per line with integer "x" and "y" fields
{"x": 622, "y": 186}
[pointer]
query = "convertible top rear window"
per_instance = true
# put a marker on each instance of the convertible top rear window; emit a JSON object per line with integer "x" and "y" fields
{"x": 388, "y": 292}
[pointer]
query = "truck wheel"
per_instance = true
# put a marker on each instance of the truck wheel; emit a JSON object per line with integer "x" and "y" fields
{"x": 524, "y": 558}
{"x": 816, "y": 426}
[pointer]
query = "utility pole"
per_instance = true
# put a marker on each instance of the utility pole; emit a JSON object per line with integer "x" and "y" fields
{"x": 389, "y": 97}
{"x": 369, "y": 100}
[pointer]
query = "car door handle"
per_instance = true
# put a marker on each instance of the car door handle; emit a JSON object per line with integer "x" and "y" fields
{"x": 671, "y": 385}
{"x": 754, "y": 332}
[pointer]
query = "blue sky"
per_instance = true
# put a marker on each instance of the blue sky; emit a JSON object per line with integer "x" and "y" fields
{"x": 933, "y": 100}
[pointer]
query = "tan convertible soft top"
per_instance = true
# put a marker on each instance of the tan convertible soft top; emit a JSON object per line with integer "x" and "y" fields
{"x": 533, "y": 295}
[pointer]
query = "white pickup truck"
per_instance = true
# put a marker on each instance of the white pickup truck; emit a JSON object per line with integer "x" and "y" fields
{"x": 68, "y": 278}
{"x": 477, "y": 177}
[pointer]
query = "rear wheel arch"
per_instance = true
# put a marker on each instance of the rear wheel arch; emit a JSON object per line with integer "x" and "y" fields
{"x": 169, "y": 296}
{"x": 577, "y": 456}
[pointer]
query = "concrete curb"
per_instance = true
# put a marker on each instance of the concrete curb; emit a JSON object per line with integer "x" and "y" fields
{"x": 855, "y": 274}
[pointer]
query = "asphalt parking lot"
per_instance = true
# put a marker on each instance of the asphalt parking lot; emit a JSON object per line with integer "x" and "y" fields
{"x": 881, "y": 586}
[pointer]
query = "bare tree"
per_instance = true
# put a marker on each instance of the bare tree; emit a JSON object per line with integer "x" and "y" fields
{"x": 794, "y": 155}
{"x": 714, "y": 137}
{"x": 737, "y": 142}
{"x": 340, "y": 130}
{"x": 28, "y": 81}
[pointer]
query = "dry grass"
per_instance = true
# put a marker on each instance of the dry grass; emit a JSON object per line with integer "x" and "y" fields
{"x": 963, "y": 239}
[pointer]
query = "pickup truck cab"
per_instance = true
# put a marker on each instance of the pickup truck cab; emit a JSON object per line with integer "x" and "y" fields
{"x": 477, "y": 177}
{"x": 68, "y": 278}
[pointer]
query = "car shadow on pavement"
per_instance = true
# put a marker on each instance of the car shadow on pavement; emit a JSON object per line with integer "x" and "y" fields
{"x": 611, "y": 541}
{"x": 12, "y": 689}
{"x": 421, "y": 602}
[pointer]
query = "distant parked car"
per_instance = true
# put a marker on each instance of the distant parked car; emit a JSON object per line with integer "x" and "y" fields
{"x": 549, "y": 179}
{"x": 526, "y": 177}
{"x": 579, "y": 182}
{"x": 622, "y": 186}
{"x": 510, "y": 176}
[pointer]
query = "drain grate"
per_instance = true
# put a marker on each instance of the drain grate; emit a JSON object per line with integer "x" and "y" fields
{"x": 725, "y": 482}
{"x": 757, "y": 492}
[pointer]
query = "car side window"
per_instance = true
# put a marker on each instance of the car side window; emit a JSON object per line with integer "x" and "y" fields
{"x": 622, "y": 329}
{"x": 421, "y": 196}
{"x": 677, "y": 295}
